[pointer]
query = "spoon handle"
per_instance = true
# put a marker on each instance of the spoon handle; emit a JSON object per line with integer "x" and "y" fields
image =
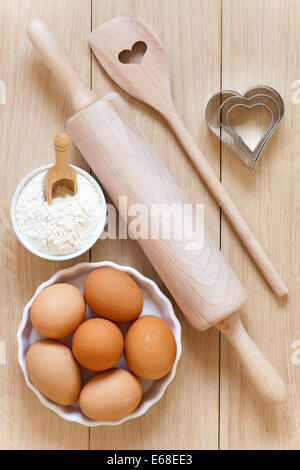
{"x": 220, "y": 194}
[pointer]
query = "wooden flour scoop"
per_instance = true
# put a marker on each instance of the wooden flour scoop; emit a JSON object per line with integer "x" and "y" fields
{"x": 61, "y": 173}
{"x": 117, "y": 45}
{"x": 200, "y": 279}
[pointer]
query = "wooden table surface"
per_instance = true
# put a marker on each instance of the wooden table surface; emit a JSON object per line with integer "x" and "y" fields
{"x": 211, "y": 44}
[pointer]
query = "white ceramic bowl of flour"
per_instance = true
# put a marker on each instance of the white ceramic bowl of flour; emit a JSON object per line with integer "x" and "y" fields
{"x": 91, "y": 240}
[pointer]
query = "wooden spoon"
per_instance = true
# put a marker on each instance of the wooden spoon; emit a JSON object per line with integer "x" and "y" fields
{"x": 61, "y": 173}
{"x": 148, "y": 80}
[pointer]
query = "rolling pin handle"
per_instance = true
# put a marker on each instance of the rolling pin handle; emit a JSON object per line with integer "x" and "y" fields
{"x": 262, "y": 374}
{"x": 53, "y": 55}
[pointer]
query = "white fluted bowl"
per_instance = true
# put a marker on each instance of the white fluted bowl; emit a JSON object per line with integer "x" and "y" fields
{"x": 155, "y": 303}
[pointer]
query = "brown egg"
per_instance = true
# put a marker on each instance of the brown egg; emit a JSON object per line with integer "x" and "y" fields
{"x": 150, "y": 348}
{"x": 58, "y": 310}
{"x": 110, "y": 395}
{"x": 98, "y": 344}
{"x": 53, "y": 370}
{"x": 112, "y": 294}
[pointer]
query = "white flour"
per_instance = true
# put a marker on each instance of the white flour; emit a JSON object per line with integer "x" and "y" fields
{"x": 64, "y": 227}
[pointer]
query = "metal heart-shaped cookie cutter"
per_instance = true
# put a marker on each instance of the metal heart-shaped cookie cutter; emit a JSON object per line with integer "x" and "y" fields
{"x": 217, "y": 117}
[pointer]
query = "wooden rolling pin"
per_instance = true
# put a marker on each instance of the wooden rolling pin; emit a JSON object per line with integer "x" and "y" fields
{"x": 201, "y": 280}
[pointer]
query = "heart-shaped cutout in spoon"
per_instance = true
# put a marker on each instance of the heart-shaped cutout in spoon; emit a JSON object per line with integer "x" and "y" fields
{"x": 134, "y": 55}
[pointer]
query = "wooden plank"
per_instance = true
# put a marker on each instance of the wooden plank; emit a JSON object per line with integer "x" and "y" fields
{"x": 35, "y": 110}
{"x": 187, "y": 416}
{"x": 260, "y": 45}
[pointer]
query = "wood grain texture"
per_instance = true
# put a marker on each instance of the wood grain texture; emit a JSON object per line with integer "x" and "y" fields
{"x": 34, "y": 112}
{"x": 52, "y": 50}
{"x": 260, "y": 44}
{"x": 168, "y": 423}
